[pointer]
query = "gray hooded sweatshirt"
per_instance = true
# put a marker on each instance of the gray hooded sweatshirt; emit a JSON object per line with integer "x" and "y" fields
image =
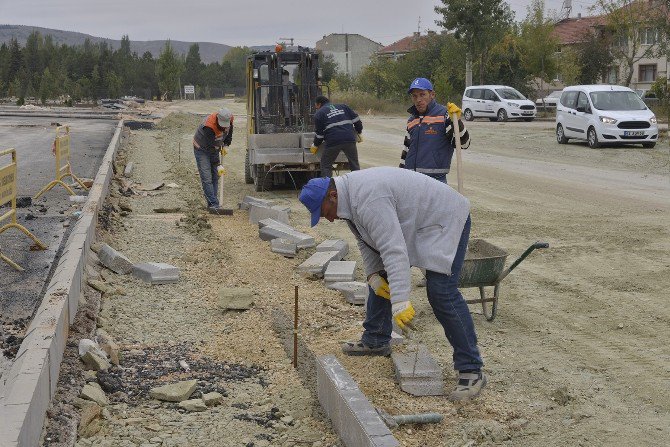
{"x": 405, "y": 218}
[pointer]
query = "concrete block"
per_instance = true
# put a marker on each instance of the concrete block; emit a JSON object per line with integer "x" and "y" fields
{"x": 235, "y": 298}
{"x": 273, "y": 230}
{"x": 286, "y": 208}
{"x": 259, "y": 212}
{"x": 284, "y": 247}
{"x": 334, "y": 245}
{"x": 338, "y": 271}
{"x": 352, "y": 415}
{"x": 114, "y": 260}
{"x": 248, "y": 201}
{"x": 397, "y": 338}
{"x": 193, "y": 405}
{"x": 316, "y": 264}
{"x": 354, "y": 292}
{"x": 156, "y": 272}
{"x": 417, "y": 372}
{"x": 275, "y": 140}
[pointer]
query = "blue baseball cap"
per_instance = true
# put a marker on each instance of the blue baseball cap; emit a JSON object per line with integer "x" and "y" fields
{"x": 312, "y": 196}
{"x": 420, "y": 84}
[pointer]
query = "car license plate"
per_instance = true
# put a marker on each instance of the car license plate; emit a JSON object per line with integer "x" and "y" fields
{"x": 527, "y": 113}
{"x": 633, "y": 133}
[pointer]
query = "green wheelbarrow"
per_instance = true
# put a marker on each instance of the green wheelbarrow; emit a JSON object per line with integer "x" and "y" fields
{"x": 483, "y": 267}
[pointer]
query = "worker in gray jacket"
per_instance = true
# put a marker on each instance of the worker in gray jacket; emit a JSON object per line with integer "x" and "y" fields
{"x": 402, "y": 218}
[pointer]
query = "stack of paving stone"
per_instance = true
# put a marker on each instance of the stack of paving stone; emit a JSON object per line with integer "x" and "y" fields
{"x": 246, "y": 203}
{"x": 417, "y": 372}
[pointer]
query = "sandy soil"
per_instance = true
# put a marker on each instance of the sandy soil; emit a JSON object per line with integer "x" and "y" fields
{"x": 578, "y": 354}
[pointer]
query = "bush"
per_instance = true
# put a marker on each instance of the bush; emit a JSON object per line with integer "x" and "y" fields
{"x": 366, "y": 103}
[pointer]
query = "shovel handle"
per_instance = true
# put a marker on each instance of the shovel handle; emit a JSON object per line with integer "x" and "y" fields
{"x": 524, "y": 255}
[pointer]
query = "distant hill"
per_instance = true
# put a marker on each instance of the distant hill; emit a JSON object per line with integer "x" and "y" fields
{"x": 209, "y": 52}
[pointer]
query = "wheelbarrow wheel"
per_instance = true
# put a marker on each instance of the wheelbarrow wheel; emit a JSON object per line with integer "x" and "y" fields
{"x": 494, "y": 304}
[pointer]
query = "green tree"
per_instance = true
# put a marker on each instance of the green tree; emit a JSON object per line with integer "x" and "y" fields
{"x": 380, "y": 78}
{"x": 46, "y": 90}
{"x": 538, "y": 46}
{"x": 480, "y": 23}
{"x": 168, "y": 71}
{"x": 235, "y": 63}
{"x": 571, "y": 66}
{"x": 633, "y": 25}
{"x": 594, "y": 57}
{"x": 328, "y": 67}
{"x": 193, "y": 65}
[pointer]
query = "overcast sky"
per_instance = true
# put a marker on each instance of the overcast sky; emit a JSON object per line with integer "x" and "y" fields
{"x": 239, "y": 22}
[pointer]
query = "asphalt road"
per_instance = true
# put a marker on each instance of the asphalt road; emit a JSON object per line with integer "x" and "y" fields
{"x": 48, "y": 217}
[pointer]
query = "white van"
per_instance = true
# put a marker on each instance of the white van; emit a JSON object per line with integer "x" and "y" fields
{"x": 497, "y": 103}
{"x": 602, "y": 114}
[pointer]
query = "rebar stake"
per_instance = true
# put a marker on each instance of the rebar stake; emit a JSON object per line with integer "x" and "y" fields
{"x": 295, "y": 330}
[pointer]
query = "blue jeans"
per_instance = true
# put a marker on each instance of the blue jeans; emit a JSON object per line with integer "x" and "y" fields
{"x": 207, "y": 161}
{"x": 448, "y": 306}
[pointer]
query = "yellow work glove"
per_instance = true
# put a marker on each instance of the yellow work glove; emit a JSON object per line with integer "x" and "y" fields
{"x": 380, "y": 285}
{"x": 221, "y": 170}
{"x": 313, "y": 149}
{"x": 224, "y": 151}
{"x": 453, "y": 108}
{"x": 359, "y": 138}
{"x": 403, "y": 312}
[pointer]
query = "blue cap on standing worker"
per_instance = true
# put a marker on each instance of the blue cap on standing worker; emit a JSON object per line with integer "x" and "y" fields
{"x": 420, "y": 84}
{"x": 312, "y": 196}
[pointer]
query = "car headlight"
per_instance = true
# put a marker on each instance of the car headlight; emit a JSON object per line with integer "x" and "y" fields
{"x": 511, "y": 104}
{"x": 607, "y": 120}
{"x": 653, "y": 120}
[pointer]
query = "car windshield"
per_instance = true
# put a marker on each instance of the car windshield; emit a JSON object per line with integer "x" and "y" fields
{"x": 610, "y": 100}
{"x": 556, "y": 94}
{"x": 509, "y": 93}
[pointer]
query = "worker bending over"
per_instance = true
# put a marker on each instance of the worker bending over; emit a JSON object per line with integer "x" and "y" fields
{"x": 401, "y": 219}
{"x": 340, "y": 128}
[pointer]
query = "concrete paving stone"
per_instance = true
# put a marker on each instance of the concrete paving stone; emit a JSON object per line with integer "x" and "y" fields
{"x": 354, "y": 292}
{"x": 352, "y": 415}
{"x": 317, "y": 263}
{"x": 279, "y": 230}
{"x": 92, "y": 391}
{"x": 417, "y": 372}
{"x": 156, "y": 272}
{"x": 286, "y": 208}
{"x": 235, "y": 298}
{"x": 339, "y": 271}
{"x": 248, "y": 201}
{"x": 174, "y": 392}
{"x": 397, "y": 338}
{"x": 114, "y": 260}
{"x": 284, "y": 247}
{"x": 334, "y": 245}
{"x": 259, "y": 212}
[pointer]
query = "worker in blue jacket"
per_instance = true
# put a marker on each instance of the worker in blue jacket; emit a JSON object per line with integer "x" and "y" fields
{"x": 429, "y": 144}
{"x": 340, "y": 128}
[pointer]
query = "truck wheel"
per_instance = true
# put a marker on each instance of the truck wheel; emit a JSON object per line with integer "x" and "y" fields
{"x": 248, "y": 179}
{"x": 262, "y": 179}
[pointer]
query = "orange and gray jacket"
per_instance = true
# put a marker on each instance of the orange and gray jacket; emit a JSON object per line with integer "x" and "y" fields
{"x": 209, "y": 136}
{"x": 429, "y": 144}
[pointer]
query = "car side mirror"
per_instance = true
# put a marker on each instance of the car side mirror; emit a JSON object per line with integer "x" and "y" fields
{"x": 581, "y": 109}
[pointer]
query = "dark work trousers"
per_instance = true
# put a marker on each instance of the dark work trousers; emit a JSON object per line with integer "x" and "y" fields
{"x": 330, "y": 153}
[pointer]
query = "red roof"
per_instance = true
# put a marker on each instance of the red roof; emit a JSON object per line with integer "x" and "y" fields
{"x": 575, "y": 30}
{"x": 404, "y": 45}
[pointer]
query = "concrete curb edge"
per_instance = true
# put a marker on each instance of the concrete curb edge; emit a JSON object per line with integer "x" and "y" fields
{"x": 31, "y": 382}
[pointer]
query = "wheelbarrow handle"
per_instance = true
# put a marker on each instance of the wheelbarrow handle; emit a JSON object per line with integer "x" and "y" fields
{"x": 524, "y": 255}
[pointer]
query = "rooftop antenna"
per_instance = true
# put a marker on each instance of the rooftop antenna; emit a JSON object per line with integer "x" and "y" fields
{"x": 418, "y": 27}
{"x": 566, "y": 8}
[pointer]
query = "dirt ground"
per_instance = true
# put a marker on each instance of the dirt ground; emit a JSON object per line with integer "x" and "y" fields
{"x": 578, "y": 354}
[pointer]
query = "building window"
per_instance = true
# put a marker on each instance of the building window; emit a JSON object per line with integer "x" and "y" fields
{"x": 647, "y": 73}
{"x": 648, "y": 36}
{"x": 621, "y": 40}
